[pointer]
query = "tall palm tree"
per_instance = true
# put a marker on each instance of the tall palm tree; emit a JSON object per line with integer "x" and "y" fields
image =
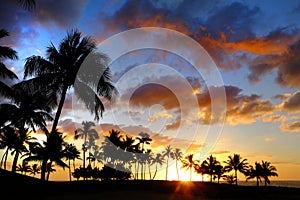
{"x": 87, "y": 132}
{"x": 158, "y": 160}
{"x": 236, "y": 163}
{"x": 267, "y": 171}
{"x": 167, "y": 153}
{"x": 71, "y": 153}
{"x": 6, "y": 53}
{"x": 75, "y": 64}
{"x": 189, "y": 163}
{"x": 177, "y": 156}
{"x": 255, "y": 172}
{"x": 210, "y": 165}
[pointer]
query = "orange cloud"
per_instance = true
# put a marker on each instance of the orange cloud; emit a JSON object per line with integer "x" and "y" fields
{"x": 290, "y": 127}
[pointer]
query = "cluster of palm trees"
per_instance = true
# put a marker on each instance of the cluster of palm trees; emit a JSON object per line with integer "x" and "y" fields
{"x": 30, "y": 104}
{"x": 133, "y": 155}
{"x": 235, "y": 163}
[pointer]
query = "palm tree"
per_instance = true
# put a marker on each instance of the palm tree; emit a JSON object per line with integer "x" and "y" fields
{"x": 177, "y": 156}
{"x": 200, "y": 169}
{"x": 75, "y": 64}
{"x": 8, "y": 138}
{"x": 255, "y": 172}
{"x": 51, "y": 150}
{"x": 50, "y": 169}
{"x": 35, "y": 169}
{"x": 71, "y": 153}
{"x": 27, "y": 109}
{"x": 236, "y": 163}
{"x": 210, "y": 165}
{"x": 87, "y": 132}
{"x": 189, "y": 163}
{"x": 6, "y": 53}
{"x": 231, "y": 178}
{"x": 144, "y": 139}
{"x": 167, "y": 153}
{"x": 219, "y": 172}
{"x": 23, "y": 138}
{"x": 23, "y": 168}
{"x": 267, "y": 171}
{"x": 158, "y": 160}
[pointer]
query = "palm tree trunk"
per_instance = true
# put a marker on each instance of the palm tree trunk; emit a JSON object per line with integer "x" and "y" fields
{"x": 70, "y": 170}
{"x": 155, "y": 172}
{"x": 167, "y": 169}
{"x": 149, "y": 172}
{"x": 43, "y": 169}
{"x": 48, "y": 173}
{"x": 59, "y": 109}
{"x": 5, "y": 159}
{"x": 236, "y": 180}
{"x": 177, "y": 171}
{"x": 14, "y": 166}
{"x": 257, "y": 183}
{"x": 190, "y": 173}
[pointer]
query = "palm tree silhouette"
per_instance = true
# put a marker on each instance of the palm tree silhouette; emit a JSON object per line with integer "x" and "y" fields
{"x": 158, "y": 160}
{"x": 236, "y": 163}
{"x": 63, "y": 69}
{"x": 219, "y": 172}
{"x": 87, "y": 132}
{"x": 144, "y": 139}
{"x": 27, "y": 109}
{"x": 7, "y": 140}
{"x": 189, "y": 163}
{"x": 267, "y": 171}
{"x": 177, "y": 156}
{"x": 231, "y": 178}
{"x": 23, "y": 168}
{"x": 200, "y": 169}
{"x": 167, "y": 153}
{"x": 6, "y": 53}
{"x": 210, "y": 165}
{"x": 50, "y": 169}
{"x": 71, "y": 153}
{"x": 35, "y": 169}
{"x": 255, "y": 172}
{"x": 51, "y": 150}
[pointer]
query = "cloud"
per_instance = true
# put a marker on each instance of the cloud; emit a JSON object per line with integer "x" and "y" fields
{"x": 291, "y": 127}
{"x": 268, "y": 139}
{"x": 274, "y": 118}
{"x": 221, "y": 152}
{"x": 291, "y": 103}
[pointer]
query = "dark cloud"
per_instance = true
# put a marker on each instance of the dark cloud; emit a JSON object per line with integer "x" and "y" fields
{"x": 291, "y": 103}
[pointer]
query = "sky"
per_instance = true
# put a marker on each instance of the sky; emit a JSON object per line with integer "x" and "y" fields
{"x": 207, "y": 76}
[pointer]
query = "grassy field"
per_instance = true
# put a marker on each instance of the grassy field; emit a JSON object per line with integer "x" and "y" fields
{"x": 16, "y": 186}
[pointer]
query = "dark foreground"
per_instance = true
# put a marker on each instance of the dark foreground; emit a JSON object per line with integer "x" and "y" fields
{"x": 15, "y": 186}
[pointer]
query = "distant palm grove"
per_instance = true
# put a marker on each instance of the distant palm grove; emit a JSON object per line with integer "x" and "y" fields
{"x": 36, "y": 103}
